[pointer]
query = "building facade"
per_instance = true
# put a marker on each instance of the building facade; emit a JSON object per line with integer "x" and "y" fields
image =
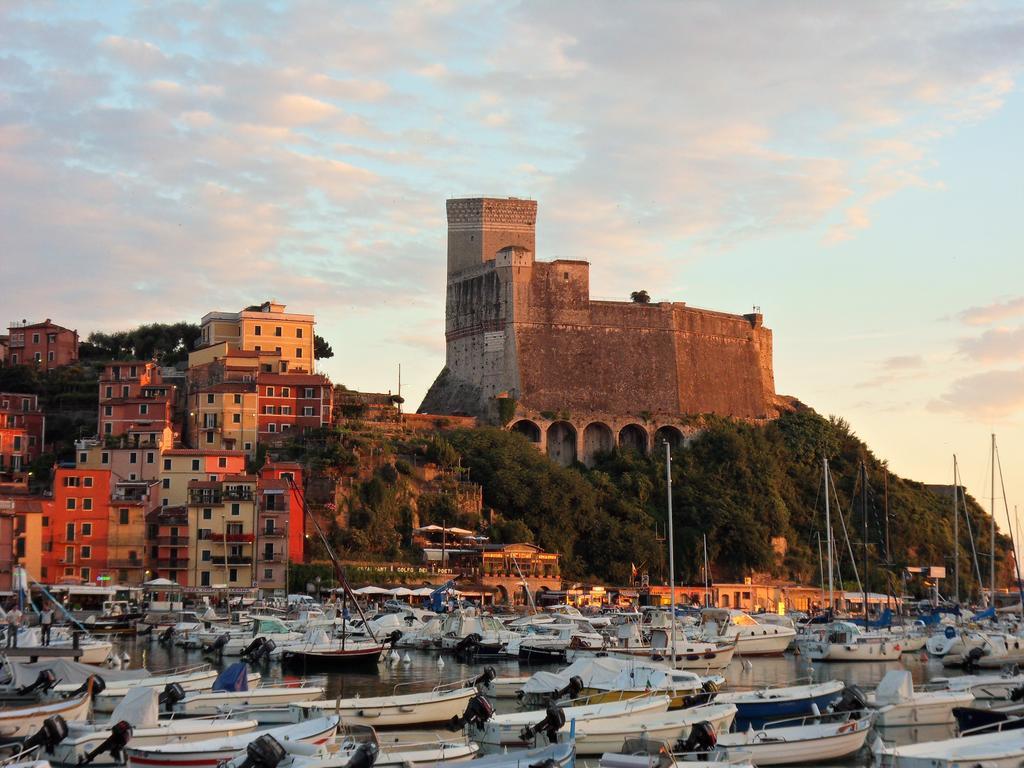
{"x": 22, "y": 431}
{"x": 44, "y": 345}
{"x": 265, "y": 327}
{"x": 134, "y": 396}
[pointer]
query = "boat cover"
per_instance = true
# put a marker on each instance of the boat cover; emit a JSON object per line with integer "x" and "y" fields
{"x": 896, "y": 687}
{"x": 140, "y": 707}
{"x": 597, "y": 672}
{"x": 234, "y": 678}
{"x": 68, "y": 672}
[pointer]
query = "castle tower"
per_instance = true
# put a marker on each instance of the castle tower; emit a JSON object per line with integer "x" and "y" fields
{"x": 479, "y": 227}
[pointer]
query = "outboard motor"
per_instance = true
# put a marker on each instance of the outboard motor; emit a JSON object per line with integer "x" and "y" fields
{"x": 251, "y": 652}
{"x": 364, "y": 757}
{"x": 53, "y": 731}
{"x": 99, "y": 685}
{"x": 264, "y": 752}
{"x": 852, "y": 699}
{"x": 972, "y": 658}
{"x": 171, "y": 695}
{"x": 166, "y": 636}
{"x": 554, "y": 719}
{"x": 486, "y": 676}
{"x": 217, "y": 646}
{"x": 702, "y": 738}
{"x": 1017, "y": 693}
{"x": 478, "y": 711}
{"x": 469, "y": 645}
{"x": 393, "y": 639}
{"x": 44, "y": 682}
{"x": 115, "y": 743}
{"x": 572, "y": 690}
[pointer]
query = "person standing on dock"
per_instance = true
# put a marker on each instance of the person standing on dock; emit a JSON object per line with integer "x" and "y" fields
{"x": 13, "y": 622}
{"x": 46, "y": 622}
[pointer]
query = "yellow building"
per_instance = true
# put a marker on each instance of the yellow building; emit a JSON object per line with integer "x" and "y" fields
{"x": 223, "y": 417}
{"x": 181, "y": 466}
{"x": 222, "y": 520}
{"x": 264, "y": 328}
{"x": 30, "y": 517}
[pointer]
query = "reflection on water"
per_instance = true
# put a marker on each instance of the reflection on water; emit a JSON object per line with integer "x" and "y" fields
{"x": 422, "y": 672}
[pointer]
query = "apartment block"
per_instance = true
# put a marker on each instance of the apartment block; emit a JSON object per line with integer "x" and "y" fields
{"x": 223, "y": 416}
{"x": 222, "y": 520}
{"x": 290, "y": 402}
{"x": 169, "y": 544}
{"x": 137, "y": 396}
{"x": 45, "y": 345}
{"x": 265, "y": 327}
{"x": 75, "y": 541}
{"x": 182, "y": 466}
{"x": 22, "y": 431}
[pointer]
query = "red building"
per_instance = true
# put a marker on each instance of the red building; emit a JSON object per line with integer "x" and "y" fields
{"x": 292, "y": 401}
{"x": 22, "y": 431}
{"x": 283, "y": 481}
{"x": 134, "y": 395}
{"x": 167, "y": 537}
{"x": 75, "y": 540}
{"x": 44, "y": 344}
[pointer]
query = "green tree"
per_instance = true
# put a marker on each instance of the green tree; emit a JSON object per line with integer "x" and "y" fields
{"x": 321, "y": 349}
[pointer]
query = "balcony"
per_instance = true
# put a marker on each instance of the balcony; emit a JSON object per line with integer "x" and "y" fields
{"x": 232, "y": 560}
{"x": 244, "y": 538}
{"x": 172, "y": 541}
{"x": 180, "y": 563}
{"x": 277, "y": 557}
{"x": 124, "y": 563}
{"x": 206, "y": 497}
{"x": 274, "y": 533}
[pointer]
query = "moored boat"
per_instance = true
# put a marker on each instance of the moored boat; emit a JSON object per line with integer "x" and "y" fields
{"x": 773, "y": 703}
{"x": 813, "y": 740}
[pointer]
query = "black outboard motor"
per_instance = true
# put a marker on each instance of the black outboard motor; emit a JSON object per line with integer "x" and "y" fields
{"x": 478, "y": 711}
{"x": 364, "y": 757}
{"x": 115, "y": 743}
{"x": 217, "y": 646}
{"x": 171, "y": 695}
{"x": 99, "y": 685}
{"x": 264, "y": 752}
{"x": 970, "y": 661}
{"x": 486, "y": 676}
{"x": 572, "y": 690}
{"x": 1017, "y": 693}
{"x": 44, "y": 682}
{"x": 469, "y": 645}
{"x": 166, "y": 636}
{"x": 393, "y": 638}
{"x": 251, "y": 652}
{"x": 554, "y": 719}
{"x": 53, "y": 731}
{"x": 852, "y": 699}
{"x": 702, "y": 738}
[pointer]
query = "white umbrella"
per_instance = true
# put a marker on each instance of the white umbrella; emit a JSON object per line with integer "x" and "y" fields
{"x": 400, "y": 592}
{"x": 423, "y": 591}
{"x": 371, "y": 591}
{"x": 160, "y": 583}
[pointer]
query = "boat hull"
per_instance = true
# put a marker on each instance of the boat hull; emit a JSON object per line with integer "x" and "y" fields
{"x": 359, "y": 658}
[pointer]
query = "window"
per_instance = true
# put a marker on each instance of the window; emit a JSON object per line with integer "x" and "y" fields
{"x": 87, "y": 529}
{"x": 209, "y": 437}
{"x": 108, "y": 392}
{"x": 298, "y": 351}
{"x": 86, "y": 552}
{"x": 207, "y": 514}
{"x": 309, "y": 393}
{"x": 233, "y": 574}
{"x": 204, "y": 579}
{"x": 238, "y": 399}
{"x": 104, "y": 457}
{"x": 167, "y": 464}
{"x": 86, "y": 573}
{"x": 163, "y": 502}
{"x": 298, "y": 333}
{"x": 87, "y": 504}
{"x": 277, "y": 350}
{"x": 108, "y": 428}
{"x": 150, "y": 457}
{"x": 49, "y": 356}
{"x": 72, "y": 504}
{"x": 271, "y": 427}
{"x": 166, "y": 483}
{"x": 236, "y": 509}
{"x": 268, "y": 573}
{"x": 108, "y": 410}
{"x": 35, "y": 338}
{"x": 222, "y": 462}
{"x": 286, "y": 476}
{"x": 286, "y": 410}
{"x": 122, "y": 516}
{"x": 207, "y": 557}
{"x": 268, "y": 409}
{"x": 143, "y": 409}
{"x": 307, "y": 410}
{"x": 286, "y": 392}
{"x": 133, "y": 458}
{"x": 69, "y": 555}
{"x": 248, "y": 446}
{"x": 277, "y": 330}
{"x": 209, "y": 399}
{"x": 124, "y": 391}
{"x": 195, "y": 465}
{"x": 285, "y": 427}
{"x": 46, "y": 521}
{"x": 236, "y": 418}
{"x": 259, "y": 348}
{"x": 71, "y": 482}
{"x": 69, "y": 532}
{"x": 133, "y": 371}
{"x": 258, "y": 330}
{"x": 83, "y": 458}
{"x": 270, "y": 391}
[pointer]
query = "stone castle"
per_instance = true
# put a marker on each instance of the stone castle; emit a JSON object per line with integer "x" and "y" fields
{"x": 528, "y": 348}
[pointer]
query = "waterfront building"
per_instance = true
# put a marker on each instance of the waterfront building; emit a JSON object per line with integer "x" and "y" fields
{"x": 75, "y": 541}
{"x": 44, "y": 345}
{"x": 222, "y": 520}
{"x": 264, "y": 327}
{"x": 168, "y": 544}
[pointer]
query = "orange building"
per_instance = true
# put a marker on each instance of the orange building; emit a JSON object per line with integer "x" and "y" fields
{"x": 264, "y": 327}
{"x": 44, "y": 344}
{"x": 75, "y": 541}
{"x": 22, "y": 431}
{"x": 135, "y": 396}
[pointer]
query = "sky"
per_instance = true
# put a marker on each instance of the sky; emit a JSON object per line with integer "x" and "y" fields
{"x": 853, "y": 169}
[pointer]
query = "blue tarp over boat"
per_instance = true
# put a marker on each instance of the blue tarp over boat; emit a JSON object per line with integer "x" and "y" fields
{"x": 234, "y": 678}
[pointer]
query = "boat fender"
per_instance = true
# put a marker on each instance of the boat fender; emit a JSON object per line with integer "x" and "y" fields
{"x": 364, "y": 756}
{"x": 553, "y": 720}
{"x": 478, "y": 711}
{"x": 115, "y": 743}
{"x": 702, "y": 738}
{"x": 53, "y": 731}
{"x": 44, "y": 681}
{"x": 171, "y": 695}
{"x": 264, "y": 752}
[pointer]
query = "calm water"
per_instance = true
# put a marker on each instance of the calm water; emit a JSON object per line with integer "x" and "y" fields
{"x": 423, "y": 673}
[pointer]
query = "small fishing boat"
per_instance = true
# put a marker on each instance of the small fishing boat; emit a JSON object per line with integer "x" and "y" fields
{"x": 951, "y": 641}
{"x": 231, "y": 692}
{"x": 398, "y": 710}
{"x": 595, "y": 737}
{"x": 998, "y": 650}
{"x": 104, "y": 743}
{"x": 988, "y": 750}
{"x": 503, "y": 687}
{"x": 333, "y": 654}
{"x": 649, "y": 753}
{"x": 988, "y": 686}
{"x": 844, "y": 641}
{"x": 212, "y": 752}
{"x": 19, "y": 722}
{"x": 118, "y": 617}
{"x": 756, "y": 707}
{"x": 801, "y": 740}
{"x": 686, "y": 689}
{"x": 897, "y": 703}
{"x": 198, "y": 679}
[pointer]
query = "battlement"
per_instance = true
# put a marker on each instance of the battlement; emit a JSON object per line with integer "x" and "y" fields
{"x": 479, "y": 227}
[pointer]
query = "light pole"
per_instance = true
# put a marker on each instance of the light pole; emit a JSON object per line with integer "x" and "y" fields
{"x": 671, "y": 551}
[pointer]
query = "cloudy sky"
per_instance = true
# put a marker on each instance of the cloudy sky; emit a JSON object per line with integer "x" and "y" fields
{"x": 854, "y": 169}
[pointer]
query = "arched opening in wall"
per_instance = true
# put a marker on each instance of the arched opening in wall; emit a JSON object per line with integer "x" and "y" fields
{"x": 669, "y": 435}
{"x": 527, "y": 429}
{"x": 633, "y": 437}
{"x": 501, "y": 596}
{"x": 597, "y": 438}
{"x": 562, "y": 443}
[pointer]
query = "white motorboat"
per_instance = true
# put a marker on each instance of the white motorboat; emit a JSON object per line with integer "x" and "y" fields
{"x": 517, "y": 728}
{"x": 594, "y": 737}
{"x": 752, "y": 637}
{"x": 897, "y": 703}
{"x": 405, "y": 710}
{"x": 951, "y": 641}
{"x": 103, "y": 743}
{"x": 642, "y": 679}
{"x": 986, "y": 750}
{"x": 19, "y": 722}
{"x": 549, "y": 642}
{"x": 427, "y": 636}
{"x": 266, "y": 627}
{"x": 988, "y": 686}
{"x": 693, "y": 655}
{"x": 212, "y": 752}
{"x": 231, "y": 693}
{"x": 464, "y": 631}
{"x": 998, "y": 650}
{"x": 811, "y": 739}
{"x": 845, "y": 641}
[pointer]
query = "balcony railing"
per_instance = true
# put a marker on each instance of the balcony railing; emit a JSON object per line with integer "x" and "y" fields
{"x": 244, "y": 538}
{"x": 124, "y": 563}
{"x": 232, "y": 560}
{"x": 199, "y": 498}
{"x": 172, "y": 562}
{"x": 172, "y": 541}
{"x": 277, "y": 557}
{"x": 272, "y": 533}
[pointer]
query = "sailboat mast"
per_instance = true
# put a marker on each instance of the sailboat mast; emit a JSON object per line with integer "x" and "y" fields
{"x": 992, "y": 554}
{"x": 956, "y": 534}
{"x": 706, "y": 594}
{"x": 671, "y": 548}
{"x": 828, "y": 539}
{"x": 864, "y": 512}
